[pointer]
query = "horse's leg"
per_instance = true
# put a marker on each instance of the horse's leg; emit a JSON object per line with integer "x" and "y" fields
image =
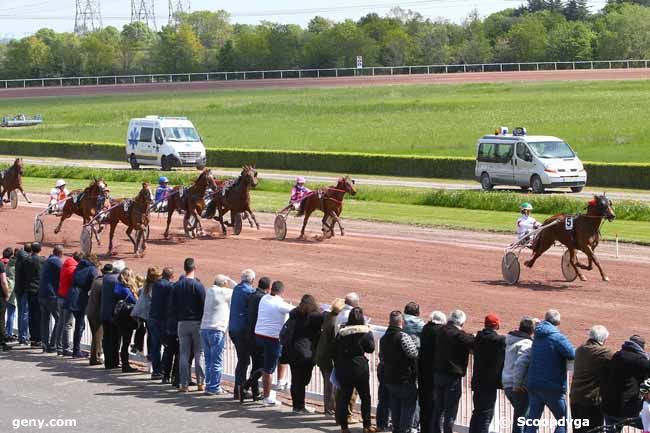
{"x": 198, "y": 226}
{"x": 541, "y": 246}
{"x": 337, "y": 220}
{"x": 63, "y": 218}
{"x": 96, "y": 232}
{"x": 304, "y": 223}
{"x": 592, "y": 257}
{"x": 247, "y": 215}
{"x": 20, "y": 188}
{"x": 170, "y": 212}
{"x": 223, "y": 225}
{"x": 250, "y": 214}
{"x": 111, "y": 233}
{"x": 574, "y": 263}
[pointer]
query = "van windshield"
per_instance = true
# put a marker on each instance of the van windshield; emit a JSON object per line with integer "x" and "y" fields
{"x": 552, "y": 149}
{"x": 181, "y": 134}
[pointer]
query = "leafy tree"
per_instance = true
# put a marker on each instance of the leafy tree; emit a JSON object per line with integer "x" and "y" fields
{"x": 99, "y": 51}
{"x": 624, "y": 33}
{"x": 212, "y": 28}
{"x": 136, "y": 40}
{"x": 475, "y": 47}
{"x": 319, "y": 24}
{"x": 27, "y": 58}
{"x": 570, "y": 41}
{"x": 576, "y": 10}
{"x": 433, "y": 44}
{"x": 227, "y": 58}
{"x": 178, "y": 49}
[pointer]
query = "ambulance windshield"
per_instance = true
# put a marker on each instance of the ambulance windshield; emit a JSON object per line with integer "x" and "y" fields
{"x": 181, "y": 134}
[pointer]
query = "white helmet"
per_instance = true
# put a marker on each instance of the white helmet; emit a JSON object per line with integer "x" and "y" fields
{"x": 60, "y": 183}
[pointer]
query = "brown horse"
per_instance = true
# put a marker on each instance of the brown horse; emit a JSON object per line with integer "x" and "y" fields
{"x": 86, "y": 205}
{"x": 330, "y": 201}
{"x": 583, "y": 235}
{"x": 12, "y": 179}
{"x": 135, "y": 215}
{"x": 235, "y": 198}
{"x": 190, "y": 202}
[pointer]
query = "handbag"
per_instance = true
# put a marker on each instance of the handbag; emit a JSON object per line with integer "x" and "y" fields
{"x": 122, "y": 311}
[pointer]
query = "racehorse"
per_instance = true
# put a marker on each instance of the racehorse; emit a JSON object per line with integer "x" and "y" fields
{"x": 135, "y": 215}
{"x": 236, "y": 198}
{"x": 11, "y": 179}
{"x": 581, "y": 233}
{"x": 83, "y": 203}
{"x": 328, "y": 200}
{"x": 190, "y": 202}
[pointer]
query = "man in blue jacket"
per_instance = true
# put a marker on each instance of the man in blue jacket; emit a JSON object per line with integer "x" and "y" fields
{"x": 238, "y": 329}
{"x": 47, "y": 298}
{"x": 547, "y": 373}
{"x": 77, "y": 300}
{"x": 111, "y": 337}
{"x": 156, "y": 324}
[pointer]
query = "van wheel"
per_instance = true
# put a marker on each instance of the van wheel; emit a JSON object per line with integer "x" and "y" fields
{"x": 165, "y": 164}
{"x": 486, "y": 182}
{"x": 134, "y": 162}
{"x": 536, "y": 185}
{"x": 576, "y": 189}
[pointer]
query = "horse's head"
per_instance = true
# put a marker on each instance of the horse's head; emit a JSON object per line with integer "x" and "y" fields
{"x": 249, "y": 175}
{"x": 98, "y": 187}
{"x": 146, "y": 194}
{"x": 347, "y": 184}
{"x": 602, "y": 206}
{"x": 206, "y": 179}
{"x": 19, "y": 166}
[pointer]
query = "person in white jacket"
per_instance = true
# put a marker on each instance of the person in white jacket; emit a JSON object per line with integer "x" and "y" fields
{"x": 518, "y": 343}
{"x": 272, "y": 314}
{"x": 214, "y": 324}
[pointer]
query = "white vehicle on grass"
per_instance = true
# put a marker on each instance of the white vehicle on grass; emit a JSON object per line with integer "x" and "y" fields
{"x": 527, "y": 161}
{"x": 165, "y": 142}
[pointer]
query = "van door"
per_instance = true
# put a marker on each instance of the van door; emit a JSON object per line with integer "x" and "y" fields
{"x": 158, "y": 142}
{"x": 524, "y": 165}
{"x": 147, "y": 152}
{"x": 503, "y": 166}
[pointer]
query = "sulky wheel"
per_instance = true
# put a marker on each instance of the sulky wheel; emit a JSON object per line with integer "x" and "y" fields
{"x": 280, "y": 227}
{"x": 39, "y": 231}
{"x": 189, "y": 225}
{"x": 568, "y": 271}
{"x": 510, "y": 268}
{"x": 86, "y": 240}
{"x": 236, "y": 224}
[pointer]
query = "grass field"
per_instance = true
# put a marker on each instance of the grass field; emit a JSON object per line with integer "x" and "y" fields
{"x": 604, "y": 121}
{"x": 426, "y": 216}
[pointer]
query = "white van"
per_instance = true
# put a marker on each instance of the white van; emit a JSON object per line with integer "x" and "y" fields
{"x": 165, "y": 142}
{"x": 527, "y": 161}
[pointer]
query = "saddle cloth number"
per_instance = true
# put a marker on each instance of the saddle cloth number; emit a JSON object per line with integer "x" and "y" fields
{"x": 568, "y": 224}
{"x": 126, "y": 206}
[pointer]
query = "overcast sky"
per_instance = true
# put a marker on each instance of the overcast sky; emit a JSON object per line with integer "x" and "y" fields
{"x": 22, "y": 17}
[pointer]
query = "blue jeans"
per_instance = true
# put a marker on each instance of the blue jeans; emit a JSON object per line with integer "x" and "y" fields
{"x": 11, "y": 317}
{"x": 383, "y": 406}
{"x": 23, "y": 318}
{"x": 484, "y": 400}
{"x": 213, "y": 344}
{"x": 447, "y": 392}
{"x": 156, "y": 330}
{"x": 63, "y": 327}
{"x": 554, "y": 400}
{"x": 49, "y": 309}
{"x": 79, "y": 327}
{"x": 403, "y": 401}
{"x": 519, "y": 402}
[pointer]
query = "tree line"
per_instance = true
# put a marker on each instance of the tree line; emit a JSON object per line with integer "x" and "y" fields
{"x": 541, "y": 30}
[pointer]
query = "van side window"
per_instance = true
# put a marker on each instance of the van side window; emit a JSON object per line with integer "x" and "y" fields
{"x": 145, "y": 135}
{"x": 504, "y": 152}
{"x": 158, "y": 136}
{"x": 523, "y": 153}
{"x": 486, "y": 152}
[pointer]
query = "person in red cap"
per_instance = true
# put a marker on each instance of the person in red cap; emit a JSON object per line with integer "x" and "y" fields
{"x": 489, "y": 353}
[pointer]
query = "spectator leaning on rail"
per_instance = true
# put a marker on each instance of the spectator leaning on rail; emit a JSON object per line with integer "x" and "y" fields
{"x": 398, "y": 352}
{"x": 589, "y": 369}
{"x": 257, "y": 351}
{"x": 425, "y": 368}
{"x": 325, "y": 354}
{"x": 31, "y": 270}
{"x": 453, "y": 346}
{"x": 64, "y": 325}
{"x": 547, "y": 373}
{"x": 518, "y": 343}
{"x": 188, "y": 299}
{"x": 238, "y": 329}
{"x": 351, "y": 369}
{"x": 214, "y": 324}
{"x": 47, "y": 293}
{"x": 489, "y": 353}
{"x": 628, "y": 368}
{"x": 160, "y": 294}
{"x": 272, "y": 314}
{"x": 93, "y": 313}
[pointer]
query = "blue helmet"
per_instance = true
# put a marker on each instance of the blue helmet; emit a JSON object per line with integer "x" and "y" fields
{"x": 163, "y": 179}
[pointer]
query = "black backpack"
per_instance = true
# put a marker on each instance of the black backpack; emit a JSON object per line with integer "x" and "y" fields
{"x": 287, "y": 332}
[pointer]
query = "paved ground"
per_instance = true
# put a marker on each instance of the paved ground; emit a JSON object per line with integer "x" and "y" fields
{"x": 40, "y": 386}
{"x": 454, "y": 78}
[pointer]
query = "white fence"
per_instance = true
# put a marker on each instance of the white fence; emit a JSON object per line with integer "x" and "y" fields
{"x": 319, "y": 73}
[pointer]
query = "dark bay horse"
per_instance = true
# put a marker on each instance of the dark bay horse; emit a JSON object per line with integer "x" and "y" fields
{"x": 135, "y": 215}
{"x": 584, "y": 236}
{"x": 11, "y": 179}
{"x": 86, "y": 206}
{"x": 236, "y": 198}
{"x": 330, "y": 201}
{"x": 190, "y": 202}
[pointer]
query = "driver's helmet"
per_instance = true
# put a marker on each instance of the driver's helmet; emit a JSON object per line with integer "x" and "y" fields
{"x": 300, "y": 180}
{"x": 526, "y": 206}
{"x": 644, "y": 387}
{"x": 163, "y": 179}
{"x": 60, "y": 183}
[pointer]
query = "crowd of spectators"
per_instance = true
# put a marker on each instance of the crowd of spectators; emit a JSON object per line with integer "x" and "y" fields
{"x": 179, "y": 322}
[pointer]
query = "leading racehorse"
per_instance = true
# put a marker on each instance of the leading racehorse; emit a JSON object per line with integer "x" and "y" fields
{"x": 135, "y": 215}
{"x": 581, "y": 232}
{"x": 330, "y": 201}
{"x": 83, "y": 203}
{"x": 11, "y": 179}
{"x": 235, "y": 198}
{"x": 190, "y": 202}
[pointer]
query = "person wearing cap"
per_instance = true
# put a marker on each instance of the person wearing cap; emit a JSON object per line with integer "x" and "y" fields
{"x": 628, "y": 368}
{"x": 489, "y": 354}
{"x": 47, "y": 294}
{"x": 93, "y": 314}
{"x": 547, "y": 372}
{"x": 58, "y": 195}
{"x": 325, "y": 352}
{"x": 298, "y": 192}
{"x": 110, "y": 331}
{"x": 162, "y": 192}
{"x": 526, "y": 223}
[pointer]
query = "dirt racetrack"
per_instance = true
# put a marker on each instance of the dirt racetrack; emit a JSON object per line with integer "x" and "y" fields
{"x": 452, "y": 78}
{"x": 389, "y": 266}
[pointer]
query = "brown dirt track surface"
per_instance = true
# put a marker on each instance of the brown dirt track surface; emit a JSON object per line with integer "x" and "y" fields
{"x": 453, "y": 78}
{"x": 437, "y": 268}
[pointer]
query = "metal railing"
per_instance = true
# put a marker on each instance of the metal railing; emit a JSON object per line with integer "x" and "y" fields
{"x": 283, "y": 74}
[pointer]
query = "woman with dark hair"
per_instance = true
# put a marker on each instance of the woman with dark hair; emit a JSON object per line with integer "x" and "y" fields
{"x": 302, "y": 349}
{"x": 126, "y": 290}
{"x": 351, "y": 368}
